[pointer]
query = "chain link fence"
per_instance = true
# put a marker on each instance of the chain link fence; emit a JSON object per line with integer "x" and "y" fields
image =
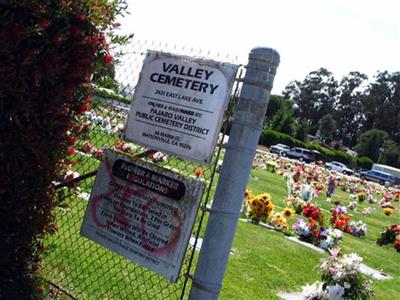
{"x": 77, "y": 268}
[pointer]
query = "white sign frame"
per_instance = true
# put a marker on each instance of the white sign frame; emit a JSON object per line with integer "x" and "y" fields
{"x": 178, "y": 105}
{"x": 126, "y": 215}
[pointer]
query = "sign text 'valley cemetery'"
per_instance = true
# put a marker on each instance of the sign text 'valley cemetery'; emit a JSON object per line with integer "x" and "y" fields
{"x": 142, "y": 212}
{"x": 178, "y": 105}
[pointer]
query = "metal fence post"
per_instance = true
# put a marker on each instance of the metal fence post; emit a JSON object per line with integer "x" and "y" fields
{"x": 240, "y": 152}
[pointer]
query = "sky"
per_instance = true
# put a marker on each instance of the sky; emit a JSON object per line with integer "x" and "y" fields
{"x": 340, "y": 35}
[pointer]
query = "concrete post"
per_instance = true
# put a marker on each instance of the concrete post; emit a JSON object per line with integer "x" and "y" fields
{"x": 240, "y": 152}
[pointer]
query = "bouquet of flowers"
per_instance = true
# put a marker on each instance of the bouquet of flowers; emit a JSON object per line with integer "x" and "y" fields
{"x": 358, "y": 228}
{"x": 352, "y": 205}
{"x": 296, "y": 203}
{"x": 362, "y": 196}
{"x": 343, "y": 275}
{"x": 388, "y": 236}
{"x": 314, "y": 213}
{"x": 248, "y": 194}
{"x": 279, "y": 221}
{"x": 367, "y": 210}
{"x": 304, "y": 231}
{"x": 397, "y": 245}
{"x": 329, "y": 238}
{"x": 388, "y": 211}
{"x": 313, "y": 233}
{"x": 88, "y": 148}
{"x": 340, "y": 221}
{"x": 261, "y": 207}
{"x": 341, "y": 279}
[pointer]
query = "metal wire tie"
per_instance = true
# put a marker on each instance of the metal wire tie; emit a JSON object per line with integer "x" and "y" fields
{"x": 205, "y": 285}
{"x": 221, "y": 212}
{"x": 240, "y": 149}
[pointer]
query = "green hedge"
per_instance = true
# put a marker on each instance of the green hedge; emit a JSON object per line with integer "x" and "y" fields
{"x": 271, "y": 137}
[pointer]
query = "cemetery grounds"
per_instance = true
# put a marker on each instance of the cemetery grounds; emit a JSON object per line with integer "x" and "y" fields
{"x": 262, "y": 262}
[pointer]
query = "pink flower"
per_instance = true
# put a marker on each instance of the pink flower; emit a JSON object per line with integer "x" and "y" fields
{"x": 334, "y": 252}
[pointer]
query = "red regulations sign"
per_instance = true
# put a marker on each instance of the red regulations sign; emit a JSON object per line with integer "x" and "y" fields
{"x": 142, "y": 212}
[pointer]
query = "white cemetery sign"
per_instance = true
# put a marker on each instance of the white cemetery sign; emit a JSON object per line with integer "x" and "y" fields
{"x": 178, "y": 105}
{"x": 142, "y": 212}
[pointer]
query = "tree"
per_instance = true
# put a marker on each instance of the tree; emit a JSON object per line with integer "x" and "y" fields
{"x": 315, "y": 96}
{"x": 348, "y": 109}
{"x": 283, "y": 121}
{"x": 302, "y": 128}
{"x": 390, "y": 154}
{"x": 276, "y": 103}
{"x": 327, "y": 128}
{"x": 381, "y": 107}
{"x": 370, "y": 143}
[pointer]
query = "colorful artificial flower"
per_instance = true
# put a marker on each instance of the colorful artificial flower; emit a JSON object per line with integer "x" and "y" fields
{"x": 358, "y": 228}
{"x": 314, "y": 213}
{"x": 288, "y": 212}
{"x": 260, "y": 207}
{"x": 198, "y": 172}
{"x": 340, "y": 221}
{"x": 279, "y": 222}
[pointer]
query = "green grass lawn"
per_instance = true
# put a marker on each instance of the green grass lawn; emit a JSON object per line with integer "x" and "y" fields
{"x": 266, "y": 263}
{"x": 263, "y": 262}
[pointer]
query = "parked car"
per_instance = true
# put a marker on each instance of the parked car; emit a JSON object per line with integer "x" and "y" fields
{"x": 300, "y": 154}
{"x": 339, "y": 167}
{"x": 378, "y": 176}
{"x": 278, "y": 148}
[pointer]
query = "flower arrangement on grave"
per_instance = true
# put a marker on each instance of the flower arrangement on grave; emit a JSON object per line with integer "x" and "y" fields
{"x": 352, "y": 205}
{"x": 388, "y": 235}
{"x": 367, "y": 210}
{"x": 318, "y": 187}
{"x": 271, "y": 166}
{"x": 358, "y": 228}
{"x": 397, "y": 196}
{"x": 260, "y": 207}
{"x": 397, "y": 245}
{"x": 248, "y": 194}
{"x": 122, "y": 146}
{"x": 342, "y": 278}
{"x": 313, "y": 213}
{"x": 361, "y": 196}
{"x": 88, "y": 148}
{"x": 306, "y": 232}
{"x": 296, "y": 203}
{"x": 330, "y": 238}
{"x": 385, "y": 202}
{"x": 306, "y": 190}
{"x": 388, "y": 210}
{"x": 312, "y": 232}
{"x": 340, "y": 221}
{"x": 279, "y": 221}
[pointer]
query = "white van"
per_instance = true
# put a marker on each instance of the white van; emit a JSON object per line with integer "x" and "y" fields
{"x": 388, "y": 169}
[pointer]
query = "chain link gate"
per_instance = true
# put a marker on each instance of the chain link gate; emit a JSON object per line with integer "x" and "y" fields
{"x": 77, "y": 268}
